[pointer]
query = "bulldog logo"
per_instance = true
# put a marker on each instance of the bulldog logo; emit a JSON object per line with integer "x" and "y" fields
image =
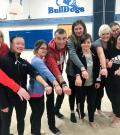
{"x": 71, "y": 3}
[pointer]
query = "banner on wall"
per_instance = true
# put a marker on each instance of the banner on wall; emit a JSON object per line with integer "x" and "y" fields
{"x": 65, "y": 6}
{"x": 61, "y": 8}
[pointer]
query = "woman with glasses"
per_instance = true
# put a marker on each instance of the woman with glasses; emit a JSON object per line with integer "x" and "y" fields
{"x": 36, "y": 89}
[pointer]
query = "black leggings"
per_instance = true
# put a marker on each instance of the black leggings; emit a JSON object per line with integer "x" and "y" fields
{"x": 20, "y": 108}
{"x": 51, "y": 108}
{"x": 90, "y": 93}
{"x": 72, "y": 97}
{"x": 37, "y": 107}
{"x": 99, "y": 96}
{"x": 113, "y": 93}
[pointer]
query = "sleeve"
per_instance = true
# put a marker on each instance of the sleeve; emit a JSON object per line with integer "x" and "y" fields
{"x": 73, "y": 55}
{"x": 40, "y": 66}
{"x": 52, "y": 65}
{"x": 6, "y": 81}
{"x": 31, "y": 70}
{"x": 96, "y": 44}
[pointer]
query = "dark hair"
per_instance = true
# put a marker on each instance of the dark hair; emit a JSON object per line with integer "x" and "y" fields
{"x": 16, "y": 36}
{"x": 113, "y": 24}
{"x": 38, "y": 44}
{"x": 60, "y": 31}
{"x": 2, "y": 35}
{"x": 12, "y": 38}
{"x": 77, "y": 23}
{"x": 84, "y": 37}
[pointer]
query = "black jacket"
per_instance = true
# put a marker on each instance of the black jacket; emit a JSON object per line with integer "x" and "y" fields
{"x": 96, "y": 65}
{"x": 17, "y": 69}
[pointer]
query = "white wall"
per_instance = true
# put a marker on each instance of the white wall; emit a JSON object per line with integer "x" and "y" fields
{"x": 39, "y": 8}
{"x": 117, "y": 9}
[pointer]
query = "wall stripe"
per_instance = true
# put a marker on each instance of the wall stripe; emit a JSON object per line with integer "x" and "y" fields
{"x": 48, "y": 21}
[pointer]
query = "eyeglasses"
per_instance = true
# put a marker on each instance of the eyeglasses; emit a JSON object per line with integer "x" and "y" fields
{"x": 43, "y": 48}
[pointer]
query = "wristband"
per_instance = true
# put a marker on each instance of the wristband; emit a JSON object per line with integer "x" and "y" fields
{"x": 63, "y": 84}
{"x": 46, "y": 87}
{"x": 56, "y": 85}
{"x": 83, "y": 70}
{"x": 77, "y": 75}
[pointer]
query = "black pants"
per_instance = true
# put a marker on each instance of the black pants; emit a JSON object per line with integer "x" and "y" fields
{"x": 99, "y": 96}
{"x": 113, "y": 93}
{"x": 4, "y": 116}
{"x": 20, "y": 108}
{"x": 51, "y": 108}
{"x": 90, "y": 93}
{"x": 37, "y": 107}
{"x": 4, "y": 123}
{"x": 72, "y": 97}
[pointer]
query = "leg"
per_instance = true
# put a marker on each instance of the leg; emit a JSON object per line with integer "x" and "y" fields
{"x": 51, "y": 112}
{"x": 37, "y": 107}
{"x": 58, "y": 104}
{"x": 5, "y": 116}
{"x": 82, "y": 96}
{"x": 72, "y": 97}
{"x": 99, "y": 96}
{"x": 91, "y": 98}
{"x": 20, "y": 107}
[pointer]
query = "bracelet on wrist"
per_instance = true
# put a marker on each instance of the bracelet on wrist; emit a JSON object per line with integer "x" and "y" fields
{"x": 77, "y": 75}
{"x": 55, "y": 85}
{"x": 46, "y": 87}
{"x": 63, "y": 84}
{"x": 83, "y": 70}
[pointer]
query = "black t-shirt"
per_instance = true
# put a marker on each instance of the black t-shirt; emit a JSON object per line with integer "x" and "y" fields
{"x": 114, "y": 55}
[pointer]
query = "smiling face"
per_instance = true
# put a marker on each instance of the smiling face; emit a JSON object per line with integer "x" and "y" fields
{"x": 78, "y": 30}
{"x": 60, "y": 40}
{"x": 86, "y": 45}
{"x": 17, "y": 45}
{"x": 42, "y": 51}
{"x": 105, "y": 36}
{"x": 115, "y": 30}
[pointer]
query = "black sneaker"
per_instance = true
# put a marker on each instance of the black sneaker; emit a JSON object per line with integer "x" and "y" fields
{"x": 55, "y": 131}
{"x": 59, "y": 115}
{"x": 73, "y": 118}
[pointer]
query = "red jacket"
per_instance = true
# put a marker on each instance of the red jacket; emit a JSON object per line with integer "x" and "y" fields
{"x": 6, "y": 81}
{"x": 3, "y": 49}
{"x": 55, "y": 59}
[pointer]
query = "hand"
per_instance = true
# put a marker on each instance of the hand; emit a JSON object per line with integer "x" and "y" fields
{"x": 117, "y": 72}
{"x": 78, "y": 81}
{"x": 85, "y": 74}
{"x": 97, "y": 85}
{"x": 48, "y": 89}
{"x": 23, "y": 94}
{"x": 67, "y": 90}
{"x": 109, "y": 64}
{"x": 58, "y": 89}
{"x": 104, "y": 72}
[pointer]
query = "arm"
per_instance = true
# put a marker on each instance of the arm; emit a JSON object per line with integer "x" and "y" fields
{"x": 45, "y": 72}
{"x": 53, "y": 67}
{"x": 75, "y": 59}
{"x": 73, "y": 55}
{"x": 34, "y": 74}
{"x": 6, "y": 81}
{"x": 102, "y": 60}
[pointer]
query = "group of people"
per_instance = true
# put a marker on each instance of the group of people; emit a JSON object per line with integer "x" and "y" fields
{"x": 90, "y": 67}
